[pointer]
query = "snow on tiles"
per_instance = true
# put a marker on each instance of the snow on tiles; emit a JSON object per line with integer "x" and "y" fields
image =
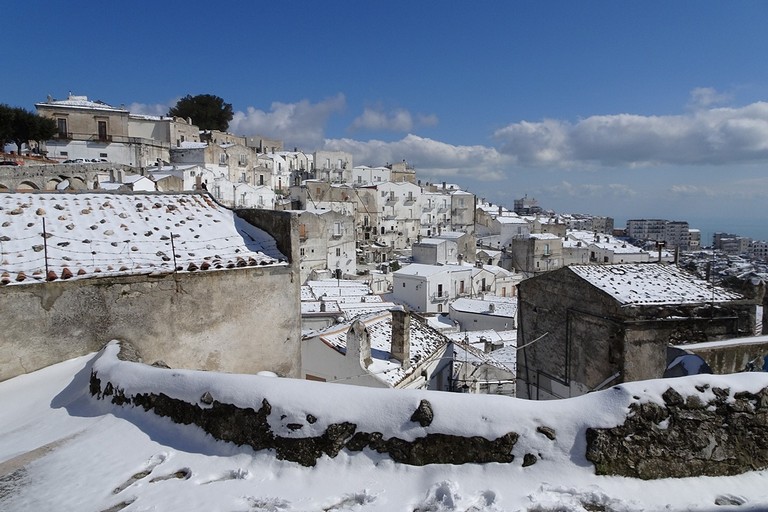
{"x": 424, "y": 343}
{"x": 651, "y": 284}
{"x": 61, "y": 236}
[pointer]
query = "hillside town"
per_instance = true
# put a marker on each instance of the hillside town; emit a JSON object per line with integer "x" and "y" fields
{"x": 369, "y": 275}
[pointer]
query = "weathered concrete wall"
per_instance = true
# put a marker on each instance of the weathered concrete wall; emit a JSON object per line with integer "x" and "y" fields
{"x": 237, "y": 320}
{"x": 283, "y": 226}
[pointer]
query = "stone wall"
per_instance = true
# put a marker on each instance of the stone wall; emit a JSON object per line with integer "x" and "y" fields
{"x": 45, "y": 177}
{"x": 705, "y": 431}
{"x": 686, "y": 436}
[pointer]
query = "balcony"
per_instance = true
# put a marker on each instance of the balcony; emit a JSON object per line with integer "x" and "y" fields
{"x": 440, "y": 297}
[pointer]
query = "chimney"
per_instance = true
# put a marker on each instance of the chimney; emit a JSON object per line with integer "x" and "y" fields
{"x": 491, "y": 307}
{"x": 359, "y": 343}
{"x": 501, "y": 208}
{"x": 401, "y": 336}
{"x": 443, "y": 185}
{"x": 487, "y": 344}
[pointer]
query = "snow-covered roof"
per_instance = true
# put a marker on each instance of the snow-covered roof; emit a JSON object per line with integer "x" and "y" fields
{"x": 477, "y": 337}
{"x": 603, "y": 241}
{"x": 476, "y": 356}
{"x": 319, "y": 306}
{"x": 449, "y": 235}
{"x": 493, "y": 269}
{"x": 509, "y": 219}
{"x": 491, "y": 307}
{"x": 337, "y": 288}
{"x": 651, "y": 283}
{"x": 420, "y": 269}
{"x": 90, "y": 234}
{"x": 188, "y": 144}
{"x": 544, "y": 236}
{"x": 81, "y": 102}
{"x": 424, "y": 342}
{"x": 430, "y": 241}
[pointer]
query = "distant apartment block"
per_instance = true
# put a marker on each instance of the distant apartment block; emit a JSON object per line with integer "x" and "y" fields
{"x": 730, "y": 243}
{"x": 674, "y": 234}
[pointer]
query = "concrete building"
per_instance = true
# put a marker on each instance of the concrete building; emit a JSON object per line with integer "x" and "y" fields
{"x": 586, "y": 327}
{"x": 364, "y": 175}
{"x": 601, "y": 248}
{"x": 494, "y": 313}
{"x": 333, "y": 166}
{"x": 534, "y": 255}
{"x": 94, "y": 130}
{"x": 430, "y": 288}
{"x": 674, "y": 234}
{"x": 435, "y": 251}
{"x": 327, "y": 242}
{"x": 730, "y": 243}
{"x": 495, "y": 280}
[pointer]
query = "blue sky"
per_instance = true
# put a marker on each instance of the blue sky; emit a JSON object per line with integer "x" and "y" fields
{"x": 627, "y": 109}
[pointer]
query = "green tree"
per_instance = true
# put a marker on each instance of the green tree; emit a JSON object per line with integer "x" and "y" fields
{"x": 207, "y": 111}
{"x": 27, "y": 126}
{"x": 6, "y": 124}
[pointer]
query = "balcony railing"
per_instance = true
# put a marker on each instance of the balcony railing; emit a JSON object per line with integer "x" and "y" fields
{"x": 440, "y": 296}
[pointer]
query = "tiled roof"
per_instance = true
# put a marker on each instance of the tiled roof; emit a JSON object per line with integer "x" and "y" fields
{"x": 51, "y": 236}
{"x": 425, "y": 342}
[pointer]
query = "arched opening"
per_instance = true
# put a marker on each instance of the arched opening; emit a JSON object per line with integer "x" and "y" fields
{"x": 51, "y": 185}
{"x": 26, "y": 186}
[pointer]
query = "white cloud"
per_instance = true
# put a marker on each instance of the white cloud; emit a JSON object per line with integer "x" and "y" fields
{"x": 595, "y": 190}
{"x": 398, "y": 120}
{"x": 706, "y": 136}
{"x": 705, "y": 97}
{"x": 150, "y": 109}
{"x": 429, "y": 157}
{"x": 297, "y": 124}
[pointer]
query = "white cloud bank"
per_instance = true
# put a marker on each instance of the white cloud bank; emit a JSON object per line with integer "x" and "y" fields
{"x": 704, "y": 136}
{"x": 398, "y": 120}
{"x": 429, "y": 156}
{"x": 301, "y": 124}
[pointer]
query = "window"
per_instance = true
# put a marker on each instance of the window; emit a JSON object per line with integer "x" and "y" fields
{"x": 301, "y": 252}
{"x": 64, "y": 153}
{"x": 242, "y": 160}
{"x": 261, "y": 179}
{"x": 102, "y": 126}
{"x": 338, "y": 252}
{"x": 61, "y": 124}
{"x": 223, "y": 159}
{"x": 102, "y": 155}
{"x": 337, "y": 229}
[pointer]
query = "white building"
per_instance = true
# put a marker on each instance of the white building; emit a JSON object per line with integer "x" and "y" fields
{"x": 490, "y": 312}
{"x": 430, "y": 288}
